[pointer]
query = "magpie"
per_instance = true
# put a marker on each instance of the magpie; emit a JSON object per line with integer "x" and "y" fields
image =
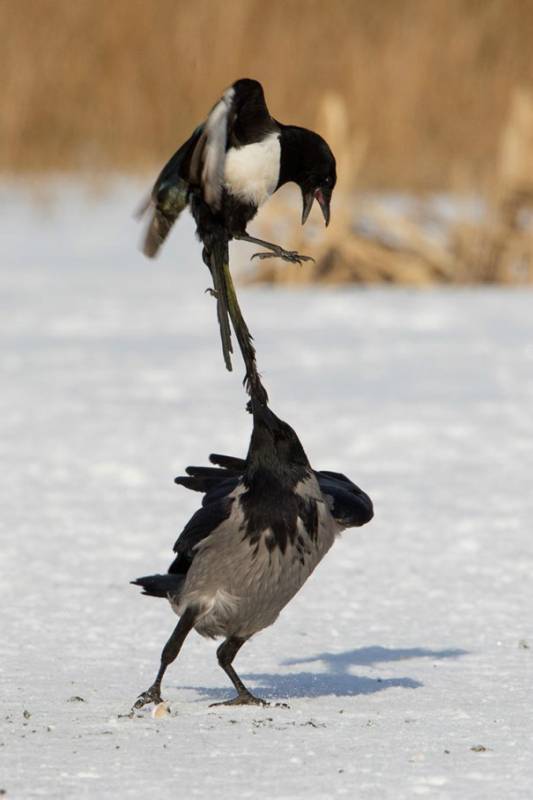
{"x": 265, "y": 523}
{"x": 224, "y": 172}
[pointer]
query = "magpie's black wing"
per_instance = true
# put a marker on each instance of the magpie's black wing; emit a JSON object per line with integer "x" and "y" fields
{"x": 170, "y": 194}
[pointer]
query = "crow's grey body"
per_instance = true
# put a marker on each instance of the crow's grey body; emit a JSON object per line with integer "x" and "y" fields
{"x": 238, "y": 587}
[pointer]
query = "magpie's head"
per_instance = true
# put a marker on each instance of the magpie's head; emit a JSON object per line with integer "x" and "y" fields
{"x": 318, "y": 174}
{"x": 274, "y": 444}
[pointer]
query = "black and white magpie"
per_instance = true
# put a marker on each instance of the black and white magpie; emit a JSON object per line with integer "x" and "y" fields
{"x": 224, "y": 172}
{"x": 265, "y": 524}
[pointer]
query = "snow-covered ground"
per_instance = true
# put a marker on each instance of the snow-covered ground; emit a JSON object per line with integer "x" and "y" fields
{"x": 406, "y": 659}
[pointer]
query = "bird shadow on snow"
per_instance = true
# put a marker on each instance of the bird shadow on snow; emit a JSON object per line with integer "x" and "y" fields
{"x": 338, "y": 679}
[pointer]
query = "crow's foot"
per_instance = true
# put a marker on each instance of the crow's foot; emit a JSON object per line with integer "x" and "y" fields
{"x": 242, "y": 700}
{"x": 152, "y": 695}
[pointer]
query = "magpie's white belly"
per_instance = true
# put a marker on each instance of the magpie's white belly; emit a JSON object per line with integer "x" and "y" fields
{"x": 251, "y": 173}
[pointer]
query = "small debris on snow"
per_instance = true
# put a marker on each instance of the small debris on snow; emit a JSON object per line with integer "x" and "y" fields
{"x": 479, "y": 748}
{"x": 161, "y": 710}
{"x": 26, "y": 714}
{"x": 258, "y": 722}
{"x": 76, "y": 699}
{"x": 523, "y": 644}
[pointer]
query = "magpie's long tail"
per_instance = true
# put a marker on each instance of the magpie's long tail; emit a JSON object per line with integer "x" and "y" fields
{"x": 228, "y": 304}
{"x": 217, "y": 261}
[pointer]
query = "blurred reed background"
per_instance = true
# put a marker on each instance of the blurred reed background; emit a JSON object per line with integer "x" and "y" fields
{"x": 423, "y": 92}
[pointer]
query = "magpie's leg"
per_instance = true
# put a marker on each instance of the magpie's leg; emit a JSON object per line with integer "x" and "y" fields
{"x": 170, "y": 652}
{"x": 276, "y": 250}
{"x": 225, "y": 654}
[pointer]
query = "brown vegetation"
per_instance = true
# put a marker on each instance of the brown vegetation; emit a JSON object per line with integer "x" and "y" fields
{"x": 496, "y": 246}
{"x": 117, "y": 83}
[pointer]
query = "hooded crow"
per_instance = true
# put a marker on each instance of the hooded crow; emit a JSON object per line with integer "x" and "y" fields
{"x": 265, "y": 524}
{"x": 229, "y": 167}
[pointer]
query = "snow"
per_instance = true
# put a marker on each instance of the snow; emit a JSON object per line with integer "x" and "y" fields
{"x": 412, "y": 642}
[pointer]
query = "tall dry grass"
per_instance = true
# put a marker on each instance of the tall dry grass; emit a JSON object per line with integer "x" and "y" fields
{"x": 117, "y": 83}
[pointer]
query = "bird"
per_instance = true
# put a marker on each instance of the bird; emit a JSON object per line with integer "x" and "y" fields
{"x": 230, "y": 165}
{"x": 265, "y": 523}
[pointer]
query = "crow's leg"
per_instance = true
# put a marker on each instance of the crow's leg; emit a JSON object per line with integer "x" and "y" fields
{"x": 276, "y": 250}
{"x": 225, "y": 654}
{"x": 170, "y": 652}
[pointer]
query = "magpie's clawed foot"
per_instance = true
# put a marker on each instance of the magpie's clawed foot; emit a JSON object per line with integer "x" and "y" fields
{"x": 212, "y": 292}
{"x": 152, "y": 695}
{"x": 243, "y": 699}
{"x": 287, "y": 255}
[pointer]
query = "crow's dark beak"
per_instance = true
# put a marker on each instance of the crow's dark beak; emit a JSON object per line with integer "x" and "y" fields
{"x": 323, "y": 201}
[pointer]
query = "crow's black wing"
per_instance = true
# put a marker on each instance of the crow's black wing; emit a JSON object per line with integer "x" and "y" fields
{"x": 349, "y": 507}
{"x": 337, "y": 477}
{"x": 214, "y": 487}
{"x": 229, "y": 463}
{"x": 201, "y": 525}
{"x": 214, "y": 482}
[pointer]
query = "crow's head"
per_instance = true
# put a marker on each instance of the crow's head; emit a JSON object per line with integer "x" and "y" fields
{"x": 318, "y": 175}
{"x": 274, "y": 444}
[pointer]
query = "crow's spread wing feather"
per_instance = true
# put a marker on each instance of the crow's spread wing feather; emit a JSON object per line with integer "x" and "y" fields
{"x": 229, "y": 463}
{"x": 348, "y": 504}
{"x": 214, "y": 487}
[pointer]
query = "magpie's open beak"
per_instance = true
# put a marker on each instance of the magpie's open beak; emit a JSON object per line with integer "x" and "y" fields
{"x": 323, "y": 200}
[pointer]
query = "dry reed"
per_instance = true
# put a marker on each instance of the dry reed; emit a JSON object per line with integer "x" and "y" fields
{"x": 117, "y": 83}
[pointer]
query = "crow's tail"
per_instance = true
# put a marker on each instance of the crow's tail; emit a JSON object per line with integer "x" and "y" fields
{"x": 160, "y": 585}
